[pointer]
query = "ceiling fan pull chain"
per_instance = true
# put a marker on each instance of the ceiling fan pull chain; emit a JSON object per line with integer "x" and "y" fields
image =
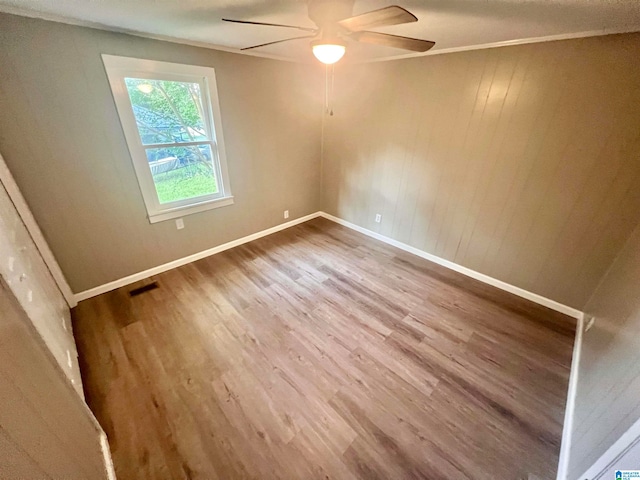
{"x": 326, "y": 89}
{"x": 333, "y": 76}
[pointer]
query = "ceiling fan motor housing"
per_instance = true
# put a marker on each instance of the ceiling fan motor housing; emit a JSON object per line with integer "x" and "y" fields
{"x": 335, "y": 23}
{"x": 325, "y": 13}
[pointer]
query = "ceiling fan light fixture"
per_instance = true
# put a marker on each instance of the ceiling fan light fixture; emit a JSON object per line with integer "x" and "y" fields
{"x": 328, "y": 52}
{"x": 333, "y": 23}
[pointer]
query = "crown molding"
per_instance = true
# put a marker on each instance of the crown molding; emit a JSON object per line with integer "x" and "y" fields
{"x": 509, "y": 43}
{"x": 211, "y": 46}
{"x": 108, "y": 28}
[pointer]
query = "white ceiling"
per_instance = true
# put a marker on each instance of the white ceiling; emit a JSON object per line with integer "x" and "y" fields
{"x": 452, "y": 24}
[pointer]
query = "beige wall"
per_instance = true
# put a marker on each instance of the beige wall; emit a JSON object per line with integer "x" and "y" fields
{"x": 521, "y": 162}
{"x": 517, "y": 162}
{"x": 61, "y": 137}
{"x": 609, "y": 375}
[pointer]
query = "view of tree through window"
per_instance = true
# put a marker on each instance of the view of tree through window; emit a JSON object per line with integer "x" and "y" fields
{"x": 168, "y": 114}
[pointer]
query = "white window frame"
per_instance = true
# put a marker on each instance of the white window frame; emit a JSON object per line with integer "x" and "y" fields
{"x": 119, "y": 68}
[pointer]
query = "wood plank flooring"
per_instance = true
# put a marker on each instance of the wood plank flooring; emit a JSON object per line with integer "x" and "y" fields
{"x": 319, "y": 353}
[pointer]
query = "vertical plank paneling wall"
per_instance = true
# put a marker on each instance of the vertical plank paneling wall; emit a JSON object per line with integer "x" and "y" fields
{"x": 609, "y": 375}
{"x": 521, "y": 162}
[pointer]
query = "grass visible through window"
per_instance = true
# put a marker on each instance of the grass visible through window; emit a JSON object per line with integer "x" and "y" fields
{"x": 186, "y": 182}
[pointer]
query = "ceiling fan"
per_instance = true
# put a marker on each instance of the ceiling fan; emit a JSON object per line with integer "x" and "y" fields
{"x": 335, "y": 24}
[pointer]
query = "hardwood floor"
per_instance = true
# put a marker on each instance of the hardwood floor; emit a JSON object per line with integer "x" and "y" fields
{"x": 320, "y": 353}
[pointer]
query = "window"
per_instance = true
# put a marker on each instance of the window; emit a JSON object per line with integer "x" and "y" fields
{"x": 171, "y": 121}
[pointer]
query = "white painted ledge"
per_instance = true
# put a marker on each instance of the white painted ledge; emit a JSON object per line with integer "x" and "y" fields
{"x": 185, "y": 210}
{"x": 10, "y": 185}
{"x": 569, "y": 411}
{"x": 106, "y": 453}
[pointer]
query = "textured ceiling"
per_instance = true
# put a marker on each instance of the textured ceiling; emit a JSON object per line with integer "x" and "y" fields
{"x": 452, "y": 24}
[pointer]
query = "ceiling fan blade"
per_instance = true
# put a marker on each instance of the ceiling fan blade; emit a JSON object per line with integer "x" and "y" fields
{"x": 277, "y": 41}
{"x": 306, "y": 29}
{"x": 406, "y": 43}
{"x": 393, "y": 15}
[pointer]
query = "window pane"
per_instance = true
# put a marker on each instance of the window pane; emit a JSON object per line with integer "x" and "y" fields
{"x": 167, "y": 112}
{"x": 180, "y": 173}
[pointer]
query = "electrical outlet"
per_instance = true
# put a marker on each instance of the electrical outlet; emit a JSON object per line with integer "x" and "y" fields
{"x": 590, "y": 321}
{"x": 378, "y": 218}
{"x": 286, "y": 214}
{"x": 179, "y": 224}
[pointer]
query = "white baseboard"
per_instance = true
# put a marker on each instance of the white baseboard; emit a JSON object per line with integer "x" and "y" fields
{"x": 534, "y": 297}
{"x": 567, "y": 429}
{"x": 107, "y": 287}
{"x": 539, "y": 299}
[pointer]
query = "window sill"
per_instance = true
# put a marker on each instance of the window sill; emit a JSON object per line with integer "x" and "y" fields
{"x": 189, "y": 209}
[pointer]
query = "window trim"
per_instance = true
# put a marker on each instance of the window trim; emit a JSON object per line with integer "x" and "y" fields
{"x": 117, "y": 69}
